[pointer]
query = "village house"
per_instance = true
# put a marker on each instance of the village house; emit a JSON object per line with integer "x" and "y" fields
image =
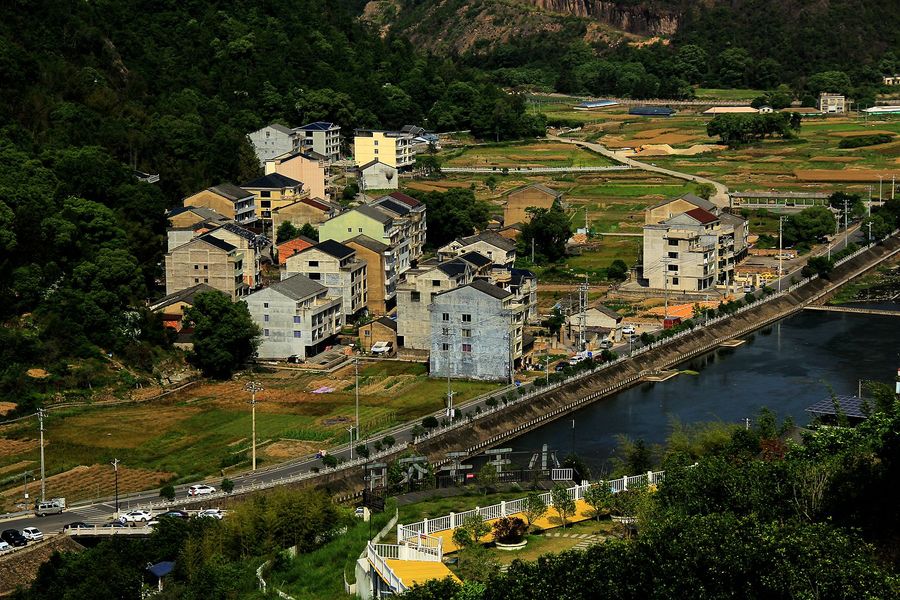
{"x": 832, "y": 103}
{"x": 519, "y": 200}
{"x": 416, "y": 294}
{"x": 375, "y": 223}
{"x": 381, "y": 273}
{"x": 375, "y": 175}
{"x": 228, "y": 200}
{"x": 337, "y": 267}
{"x": 188, "y": 216}
{"x": 312, "y": 211}
{"x": 297, "y": 317}
{"x": 382, "y": 329}
{"x": 409, "y": 213}
{"x": 321, "y": 137}
{"x": 310, "y": 169}
{"x": 393, "y": 148}
{"x": 675, "y": 206}
{"x": 293, "y": 246}
{"x": 206, "y": 259}
{"x": 173, "y": 306}
{"x": 500, "y": 250}
{"x": 272, "y": 192}
{"x": 271, "y": 141}
{"x": 599, "y": 323}
{"x": 477, "y": 333}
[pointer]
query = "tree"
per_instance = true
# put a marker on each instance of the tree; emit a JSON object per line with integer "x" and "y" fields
{"x": 563, "y": 504}
{"x": 309, "y": 231}
{"x": 227, "y": 485}
{"x": 225, "y": 337}
{"x": 286, "y": 231}
{"x": 329, "y": 461}
{"x": 487, "y": 477}
{"x": 817, "y": 265}
{"x": 167, "y": 492}
{"x": 509, "y": 530}
{"x": 599, "y": 497}
{"x": 809, "y": 225}
{"x": 470, "y": 532}
{"x": 389, "y": 441}
{"x": 618, "y": 270}
{"x": 705, "y": 190}
{"x": 453, "y": 214}
{"x": 535, "y": 508}
{"x": 549, "y": 230}
{"x": 430, "y": 422}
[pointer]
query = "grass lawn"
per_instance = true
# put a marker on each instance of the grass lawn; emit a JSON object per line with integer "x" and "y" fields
{"x": 206, "y": 427}
{"x": 602, "y": 254}
{"x": 540, "y": 544}
{"x": 438, "y": 506}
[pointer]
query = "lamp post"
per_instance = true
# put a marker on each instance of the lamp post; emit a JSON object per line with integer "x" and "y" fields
{"x": 356, "y": 386}
{"x": 253, "y": 387}
{"x": 780, "y": 251}
{"x": 40, "y": 414}
{"x": 350, "y": 431}
{"x": 25, "y": 478}
{"x": 115, "y": 463}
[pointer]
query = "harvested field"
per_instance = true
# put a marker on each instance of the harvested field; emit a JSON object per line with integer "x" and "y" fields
{"x": 835, "y": 159}
{"x": 288, "y": 449}
{"x": 442, "y": 186}
{"x": 5, "y": 407}
{"x": 864, "y": 132}
{"x": 843, "y": 175}
{"x": 10, "y": 447}
{"x": 17, "y": 468}
{"x": 125, "y": 427}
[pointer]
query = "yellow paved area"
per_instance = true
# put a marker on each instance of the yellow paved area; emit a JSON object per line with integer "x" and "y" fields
{"x": 412, "y": 572}
{"x": 550, "y": 520}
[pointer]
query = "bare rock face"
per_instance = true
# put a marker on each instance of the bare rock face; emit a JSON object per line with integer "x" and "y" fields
{"x": 642, "y": 19}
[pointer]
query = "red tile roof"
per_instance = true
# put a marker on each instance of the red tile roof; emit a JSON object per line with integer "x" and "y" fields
{"x": 704, "y": 216}
{"x": 407, "y": 200}
{"x": 290, "y": 248}
{"x": 316, "y": 204}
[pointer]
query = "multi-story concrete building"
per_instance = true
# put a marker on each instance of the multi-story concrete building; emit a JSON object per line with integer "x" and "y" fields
{"x": 297, "y": 317}
{"x": 832, "y": 103}
{"x": 500, "y": 250}
{"x": 409, "y": 213}
{"x": 272, "y": 192}
{"x": 206, "y": 259}
{"x": 416, "y": 294}
{"x": 338, "y": 268}
{"x": 693, "y": 251}
{"x": 477, "y": 332}
{"x": 271, "y": 141}
{"x": 321, "y": 137}
{"x": 311, "y": 170}
{"x": 381, "y": 273}
{"x": 393, "y": 148}
{"x": 313, "y": 211}
{"x": 375, "y": 223}
{"x": 228, "y": 200}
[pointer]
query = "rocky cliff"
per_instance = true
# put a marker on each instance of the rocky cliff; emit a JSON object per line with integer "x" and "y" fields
{"x": 637, "y": 18}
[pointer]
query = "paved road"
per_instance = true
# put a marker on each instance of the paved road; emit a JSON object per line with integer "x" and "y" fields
{"x": 720, "y": 198}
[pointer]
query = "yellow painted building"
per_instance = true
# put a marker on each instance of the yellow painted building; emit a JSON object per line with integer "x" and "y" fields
{"x": 274, "y": 191}
{"x": 228, "y": 200}
{"x": 391, "y": 148}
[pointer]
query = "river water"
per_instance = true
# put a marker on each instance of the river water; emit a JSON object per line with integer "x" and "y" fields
{"x": 786, "y": 367}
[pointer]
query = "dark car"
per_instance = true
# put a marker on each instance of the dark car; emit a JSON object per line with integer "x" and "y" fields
{"x": 560, "y": 367}
{"x": 13, "y": 537}
{"x": 173, "y": 514}
{"x": 77, "y": 525}
{"x": 115, "y": 525}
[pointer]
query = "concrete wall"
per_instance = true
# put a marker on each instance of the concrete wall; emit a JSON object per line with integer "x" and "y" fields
{"x": 280, "y": 343}
{"x": 380, "y": 177}
{"x": 269, "y": 143}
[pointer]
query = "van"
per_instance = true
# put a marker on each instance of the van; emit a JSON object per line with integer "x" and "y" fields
{"x": 606, "y": 344}
{"x": 54, "y": 506}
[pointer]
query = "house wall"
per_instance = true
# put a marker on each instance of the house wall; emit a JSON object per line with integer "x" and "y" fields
{"x": 652, "y": 216}
{"x": 413, "y": 316}
{"x": 393, "y": 151}
{"x": 220, "y": 204}
{"x": 319, "y": 319}
{"x": 252, "y": 265}
{"x": 376, "y": 332}
{"x": 348, "y": 282}
{"x": 199, "y": 262}
{"x": 518, "y": 201}
{"x": 326, "y": 143}
{"x": 380, "y": 177}
{"x": 487, "y": 335}
{"x": 350, "y": 224}
{"x": 693, "y": 266}
{"x": 311, "y": 172}
{"x": 269, "y": 143}
{"x": 277, "y": 199}
{"x": 298, "y": 214}
{"x": 380, "y": 278}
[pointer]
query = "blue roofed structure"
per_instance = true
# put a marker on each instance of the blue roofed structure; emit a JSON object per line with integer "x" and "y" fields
{"x": 593, "y": 104}
{"x": 652, "y": 111}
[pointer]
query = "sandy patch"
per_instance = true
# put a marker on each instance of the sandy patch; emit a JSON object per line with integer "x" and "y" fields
{"x": 646, "y": 134}
{"x": 288, "y": 449}
{"x": 10, "y": 447}
{"x": 6, "y": 407}
{"x": 36, "y": 373}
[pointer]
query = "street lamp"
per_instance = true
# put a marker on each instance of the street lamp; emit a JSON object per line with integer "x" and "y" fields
{"x": 356, "y": 386}
{"x": 253, "y": 387}
{"x": 350, "y": 431}
{"x": 115, "y": 463}
{"x": 780, "y": 251}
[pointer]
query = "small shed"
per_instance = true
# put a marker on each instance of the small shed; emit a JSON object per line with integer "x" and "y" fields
{"x": 382, "y": 329}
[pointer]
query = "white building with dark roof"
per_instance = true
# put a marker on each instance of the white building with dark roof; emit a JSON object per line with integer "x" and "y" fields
{"x": 321, "y": 137}
{"x": 337, "y": 267}
{"x": 271, "y": 141}
{"x": 297, "y": 317}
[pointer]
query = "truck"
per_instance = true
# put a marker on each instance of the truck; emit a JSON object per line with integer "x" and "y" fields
{"x": 53, "y": 506}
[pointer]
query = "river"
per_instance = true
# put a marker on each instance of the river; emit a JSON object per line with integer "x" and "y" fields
{"x": 786, "y": 367}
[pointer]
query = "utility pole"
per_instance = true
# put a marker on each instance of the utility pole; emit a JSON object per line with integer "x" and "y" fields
{"x": 253, "y": 387}
{"x": 869, "y": 203}
{"x": 780, "y": 251}
{"x": 893, "y": 185}
{"x": 40, "y": 414}
{"x": 115, "y": 463}
{"x": 350, "y": 431}
{"x": 25, "y": 477}
{"x": 356, "y": 386}
{"x": 449, "y": 390}
{"x": 582, "y": 318}
{"x": 846, "y": 235}
{"x": 880, "y": 181}
{"x": 870, "y": 232}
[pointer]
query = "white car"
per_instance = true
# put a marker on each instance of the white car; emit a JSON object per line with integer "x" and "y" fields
{"x": 4, "y": 546}
{"x": 32, "y": 534}
{"x": 213, "y": 513}
{"x": 136, "y": 516}
{"x": 201, "y": 490}
{"x": 382, "y": 348}
{"x": 628, "y": 330}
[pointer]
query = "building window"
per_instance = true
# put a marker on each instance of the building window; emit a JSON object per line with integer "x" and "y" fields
{"x": 265, "y": 305}
{"x": 673, "y": 242}
{"x": 360, "y": 229}
{"x": 196, "y": 267}
{"x": 467, "y": 347}
{"x": 265, "y": 194}
{"x": 466, "y": 318}
{"x": 445, "y": 316}
{"x": 315, "y": 276}
{"x": 415, "y": 296}
{"x": 673, "y": 267}
{"x": 445, "y": 347}
{"x": 445, "y": 330}
{"x": 435, "y": 283}
{"x": 349, "y": 230}
{"x": 467, "y": 333}
{"x": 266, "y": 332}
{"x": 674, "y": 281}
{"x": 313, "y": 263}
{"x": 297, "y": 320}
{"x": 673, "y": 255}
{"x": 367, "y": 333}
{"x": 297, "y": 334}
{"x": 266, "y": 318}
{"x": 196, "y": 280}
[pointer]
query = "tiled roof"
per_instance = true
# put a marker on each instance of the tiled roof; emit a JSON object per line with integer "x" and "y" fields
{"x": 317, "y": 126}
{"x": 335, "y": 249}
{"x": 374, "y": 213}
{"x": 476, "y": 258}
{"x": 703, "y": 216}
{"x": 490, "y": 289}
{"x": 452, "y": 268}
{"x": 695, "y": 200}
{"x": 298, "y": 287}
{"x": 540, "y": 188}
{"x": 272, "y": 181}
{"x": 495, "y": 239}
{"x": 367, "y": 242}
{"x": 407, "y": 200}
{"x": 292, "y": 247}
{"x": 398, "y": 208}
{"x": 608, "y": 312}
{"x": 387, "y": 322}
{"x": 230, "y": 191}
{"x": 214, "y": 241}
{"x": 186, "y": 295}
{"x": 280, "y": 128}
{"x": 372, "y": 163}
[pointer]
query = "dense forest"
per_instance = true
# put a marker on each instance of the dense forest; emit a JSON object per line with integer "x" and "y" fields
{"x": 95, "y": 90}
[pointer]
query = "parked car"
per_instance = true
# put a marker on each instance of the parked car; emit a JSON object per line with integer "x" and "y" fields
{"x": 382, "y": 348}
{"x": 560, "y": 366}
{"x": 212, "y": 513}
{"x": 628, "y": 330}
{"x": 32, "y": 534}
{"x": 13, "y": 537}
{"x": 606, "y": 343}
{"x": 294, "y": 359}
{"x": 201, "y": 490}
{"x": 77, "y": 525}
{"x": 4, "y": 546}
{"x": 136, "y": 516}
{"x": 173, "y": 514}
{"x": 115, "y": 525}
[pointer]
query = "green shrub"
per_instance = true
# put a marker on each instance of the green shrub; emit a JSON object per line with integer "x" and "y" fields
{"x": 858, "y": 141}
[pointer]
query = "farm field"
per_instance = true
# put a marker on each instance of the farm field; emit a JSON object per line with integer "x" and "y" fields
{"x": 207, "y": 428}
{"x": 529, "y": 154}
